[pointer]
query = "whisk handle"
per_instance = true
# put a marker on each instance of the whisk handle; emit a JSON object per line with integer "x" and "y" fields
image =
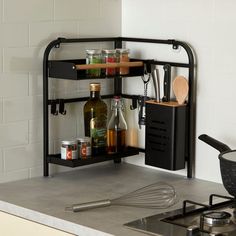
{"x": 89, "y": 205}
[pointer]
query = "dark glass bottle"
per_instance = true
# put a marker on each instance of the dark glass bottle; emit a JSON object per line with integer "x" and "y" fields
{"x": 116, "y": 128}
{"x": 95, "y": 120}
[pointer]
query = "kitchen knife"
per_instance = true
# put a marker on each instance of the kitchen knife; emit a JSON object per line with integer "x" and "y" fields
{"x": 166, "y": 86}
{"x": 156, "y": 83}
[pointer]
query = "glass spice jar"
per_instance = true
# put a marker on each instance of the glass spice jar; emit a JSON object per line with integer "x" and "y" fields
{"x": 109, "y": 56}
{"x": 69, "y": 150}
{"x": 123, "y": 56}
{"x": 84, "y": 147}
{"x": 93, "y": 56}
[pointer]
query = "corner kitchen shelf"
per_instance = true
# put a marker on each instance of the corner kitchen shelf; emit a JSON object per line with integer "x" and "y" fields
{"x": 56, "y": 159}
{"x": 73, "y": 70}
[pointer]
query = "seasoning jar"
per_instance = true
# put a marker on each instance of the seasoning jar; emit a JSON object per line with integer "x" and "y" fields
{"x": 93, "y": 56}
{"x": 69, "y": 150}
{"x": 123, "y": 56}
{"x": 84, "y": 147}
{"x": 109, "y": 56}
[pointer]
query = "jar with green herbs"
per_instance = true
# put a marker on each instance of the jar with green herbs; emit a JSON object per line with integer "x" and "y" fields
{"x": 93, "y": 56}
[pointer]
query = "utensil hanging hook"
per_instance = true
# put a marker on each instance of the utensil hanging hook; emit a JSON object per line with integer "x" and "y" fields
{"x": 145, "y": 78}
{"x": 142, "y": 113}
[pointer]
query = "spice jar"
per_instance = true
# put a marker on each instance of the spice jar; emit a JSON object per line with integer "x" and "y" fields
{"x": 123, "y": 56}
{"x": 69, "y": 150}
{"x": 93, "y": 56}
{"x": 109, "y": 56}
{"x": 84, "y": 147}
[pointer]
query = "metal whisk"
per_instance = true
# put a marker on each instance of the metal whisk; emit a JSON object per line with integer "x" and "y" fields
{"x": 157, "y": 195}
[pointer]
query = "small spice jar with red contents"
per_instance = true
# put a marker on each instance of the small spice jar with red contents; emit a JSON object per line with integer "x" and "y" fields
{"x": 123, "y": 56}
{"x": 69, "y": 150}
{"x": 109, "y": 56}
{"x": 84, "y": 147}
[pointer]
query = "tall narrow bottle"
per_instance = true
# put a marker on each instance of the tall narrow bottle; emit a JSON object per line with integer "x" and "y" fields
{"x": 116, "y": 129}
{"x": 95, "y": 120}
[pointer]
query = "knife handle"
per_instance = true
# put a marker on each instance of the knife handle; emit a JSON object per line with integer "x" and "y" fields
{"x": 167, "y": 77}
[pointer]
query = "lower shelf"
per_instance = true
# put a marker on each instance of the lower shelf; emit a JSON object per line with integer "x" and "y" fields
{"x": 56, "y": 158}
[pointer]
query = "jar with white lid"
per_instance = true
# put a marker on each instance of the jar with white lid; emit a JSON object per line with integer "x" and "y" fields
{"x": 123, "y": 56}
{"x": 93, "y": 56}
{"x": 84, "y": 147}
{"x": 69, "y": 150}
{"x": 109, "y": 56}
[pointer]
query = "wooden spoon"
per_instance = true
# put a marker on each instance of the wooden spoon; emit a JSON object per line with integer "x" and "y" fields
{"x": 180, "y": 88}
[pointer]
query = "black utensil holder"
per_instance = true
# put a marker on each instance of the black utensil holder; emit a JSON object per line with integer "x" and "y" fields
{"x": 165, "y": 135}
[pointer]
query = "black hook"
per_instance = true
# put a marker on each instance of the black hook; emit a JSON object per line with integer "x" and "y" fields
{"x": 134, "y": 104}
{"x": 54, "y": 110}
{"x": 62, "y": 106}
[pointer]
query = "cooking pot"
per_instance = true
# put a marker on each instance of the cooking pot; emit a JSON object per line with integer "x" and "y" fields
{"x": 227, "y": 159}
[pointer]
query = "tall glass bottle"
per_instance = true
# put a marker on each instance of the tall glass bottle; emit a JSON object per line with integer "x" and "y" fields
{"x": 95, "y": 120}
{"x": 116, "y": 129}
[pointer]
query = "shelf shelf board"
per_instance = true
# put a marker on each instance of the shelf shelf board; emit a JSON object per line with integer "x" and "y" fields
{"x": 56, "y": 158}
{"x": 66, "y": 69}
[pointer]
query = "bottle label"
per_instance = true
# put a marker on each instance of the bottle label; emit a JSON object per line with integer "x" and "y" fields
{"x": 98, "y": 131}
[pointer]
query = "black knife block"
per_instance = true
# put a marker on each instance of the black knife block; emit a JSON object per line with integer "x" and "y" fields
{"x": 165, "y": 135}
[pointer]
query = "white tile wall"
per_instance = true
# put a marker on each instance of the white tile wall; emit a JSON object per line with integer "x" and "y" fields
{"x": 13, "y": 85}
{"x": 28, "y": 11}
{"x": 24, "y": 108}
{"x": 35, "y": 130}
{"x": 41, "y": 32}
{"x": 26, "y": 28}
{"x": 1, "y": 113}
{"x": 13, "y": 134}
{"x": 30, "y": 156}
{"x": 14, "y": 175}
{"x": 23, "y": 59}
{"x": 1, "y": 162}
{"x": 1, "y": 59}
{"x": 77, "y": 9}
{"x": 208, "y": 26}
{"x": 15, "y": 35}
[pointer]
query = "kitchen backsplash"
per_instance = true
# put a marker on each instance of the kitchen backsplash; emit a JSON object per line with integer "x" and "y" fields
{"x": 209, "y": 28}
{"x": 26, "y": 28}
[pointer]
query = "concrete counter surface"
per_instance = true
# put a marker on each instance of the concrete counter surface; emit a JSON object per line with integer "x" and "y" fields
{"x": 43, "y": 199}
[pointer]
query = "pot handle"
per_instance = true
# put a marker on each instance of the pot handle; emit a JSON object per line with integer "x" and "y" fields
{"x": 221, "y": 147}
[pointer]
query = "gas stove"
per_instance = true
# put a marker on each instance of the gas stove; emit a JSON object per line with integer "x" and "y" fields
{"x": 193, "y": 219}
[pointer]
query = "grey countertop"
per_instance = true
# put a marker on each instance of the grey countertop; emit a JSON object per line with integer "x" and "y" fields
{"x": 44, "y": 199}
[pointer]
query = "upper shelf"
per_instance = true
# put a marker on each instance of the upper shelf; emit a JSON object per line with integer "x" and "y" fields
{"x": 70, "y": 69}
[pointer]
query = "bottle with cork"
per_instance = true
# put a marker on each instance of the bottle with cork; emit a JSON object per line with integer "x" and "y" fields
{"x": 95, "y": 120}
{"x": 117, "y": 128}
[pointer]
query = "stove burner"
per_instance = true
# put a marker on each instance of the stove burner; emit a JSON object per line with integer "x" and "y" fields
{"x": 216, "y": 218}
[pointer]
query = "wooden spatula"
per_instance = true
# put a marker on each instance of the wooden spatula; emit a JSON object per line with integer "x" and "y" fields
{"x": 180, "y": 88}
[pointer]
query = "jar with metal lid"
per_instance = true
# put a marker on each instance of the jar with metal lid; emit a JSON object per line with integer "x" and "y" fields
{"x": 109, "y": 56}
{"x": 69, "y": 150}
{"x": 123, "y": 56}
{"x": 93, "y": 56}
{"x": 84, "y": 147}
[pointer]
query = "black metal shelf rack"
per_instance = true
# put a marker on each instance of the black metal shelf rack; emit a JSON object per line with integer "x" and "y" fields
{"x": 66, "y": 69}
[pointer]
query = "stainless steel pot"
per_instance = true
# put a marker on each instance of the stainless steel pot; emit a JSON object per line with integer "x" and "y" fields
{"x": 227, "y": 159}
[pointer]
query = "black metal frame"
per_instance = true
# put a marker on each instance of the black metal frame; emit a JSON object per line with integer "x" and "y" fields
{"x": 117, "y": 91}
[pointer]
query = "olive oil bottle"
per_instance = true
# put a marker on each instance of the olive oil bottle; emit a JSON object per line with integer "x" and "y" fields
{"x": 95, "y": 120}
{"x": 117, "y": 128}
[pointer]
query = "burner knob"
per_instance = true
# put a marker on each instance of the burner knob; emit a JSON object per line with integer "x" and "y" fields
{"x": 193, "y": 230}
